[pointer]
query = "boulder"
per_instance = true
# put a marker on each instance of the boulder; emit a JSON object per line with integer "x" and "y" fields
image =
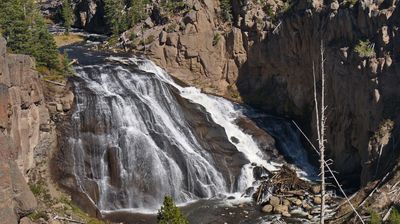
{"x": 317, "y": 200}
{"x": 267, "y": 208}
{"x": 190, "y": 17}
{"x": 163, "y": 37}
{"x": 281, "y": 209}
{"x": 274, "y": 201}
{"x": 16, "y": 199}
{"x": 295, "y": 201}
{"x": 148, "y": 23}
{"x": 316, "y": 189}
{"x": 172, "y": 39}
{"x": 25, "y": 220}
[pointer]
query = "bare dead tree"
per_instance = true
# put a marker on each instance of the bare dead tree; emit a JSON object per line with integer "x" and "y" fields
{"x": 321, "y": 127}
{"x": 321, "y": 121}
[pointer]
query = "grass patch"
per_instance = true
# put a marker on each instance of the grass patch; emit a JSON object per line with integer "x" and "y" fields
{"x": 394, "y": 217}
{"x": 36, "y": 215}
{"x": 375, "y": 217}
{"x": 63, "y": 40}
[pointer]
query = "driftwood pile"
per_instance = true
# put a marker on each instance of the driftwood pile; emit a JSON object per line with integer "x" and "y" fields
{"x": 284, "y": 193}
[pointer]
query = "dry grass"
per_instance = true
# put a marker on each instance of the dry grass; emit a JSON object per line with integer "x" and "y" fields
{"x": 63, "y": 40}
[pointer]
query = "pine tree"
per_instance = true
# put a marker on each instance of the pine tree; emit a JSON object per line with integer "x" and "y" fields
{"x": 136, "y": 11}
{"x": 116, "y": 16}
{"x": 170, "y": 214}
{"x": 66, "y": 14}
{"x": 26, "y": 32}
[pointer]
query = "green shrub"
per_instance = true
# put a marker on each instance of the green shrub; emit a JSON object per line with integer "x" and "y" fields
{"x": 351, "y": 3}
{"x": 394, "y": 217}
{"x": 226, "y": 10}
{"x": 37, "y": 189}
{"x": 171, "y": 28}
{"x": 170, "y": 214}
{"x": 364, "y": 49}
{"x": 375, "y": 217}
{"x": 123, "y": 14}
{"x": 216, "y": 39}
{"x": 26, "y": 32}
{"x": 174, "y": 6}
{"x": 36, "y": 215}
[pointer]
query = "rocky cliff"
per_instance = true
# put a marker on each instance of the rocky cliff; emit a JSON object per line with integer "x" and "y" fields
{"x": 23, "y": 115}
{"x": 265, "y": 58}
{"x": 87, "y": 14}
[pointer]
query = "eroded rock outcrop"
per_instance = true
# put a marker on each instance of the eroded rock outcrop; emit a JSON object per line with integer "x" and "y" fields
{"x": 22, "y": 115}
{"x": 22, "y": 109}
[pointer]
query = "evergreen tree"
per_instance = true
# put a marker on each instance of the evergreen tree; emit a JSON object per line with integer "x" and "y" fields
{"x": 116, "y": 16}
{"x": 137, "y": 11}
{"x": 66, "y": 13}
{"x": 26, "y": 32}
{"x": 170, "y": 214}
{"x": 124, "y": 14}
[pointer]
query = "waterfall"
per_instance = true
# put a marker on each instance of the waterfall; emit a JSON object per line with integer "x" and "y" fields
{"x": 137, "y": 136}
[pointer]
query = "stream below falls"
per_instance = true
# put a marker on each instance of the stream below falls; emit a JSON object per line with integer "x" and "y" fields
{"x": 135, "y": 135}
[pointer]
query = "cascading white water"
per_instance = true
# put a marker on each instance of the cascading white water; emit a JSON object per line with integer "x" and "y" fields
{"x": 133, "y": 142}
{"x": 223, "y": 113}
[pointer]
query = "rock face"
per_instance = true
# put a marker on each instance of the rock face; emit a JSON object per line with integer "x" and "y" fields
{"x": 22, "y": 114}
{"x": 268, "y": 62}
{"x": 22, "y": 108}
{"x": 361, "y": 91}
{"x": 16, "y": 199}
{"x": 89, "y": 15}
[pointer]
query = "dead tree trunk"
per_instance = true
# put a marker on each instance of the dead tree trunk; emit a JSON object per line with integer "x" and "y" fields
{"x": 321, "y": 120}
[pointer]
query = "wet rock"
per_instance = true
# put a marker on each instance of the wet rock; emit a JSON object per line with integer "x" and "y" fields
{"x": 267, "y": 208}
{"x": 235, "y": 140}
{"x": 260, "y": 173}
{"x": 249, "y": 191}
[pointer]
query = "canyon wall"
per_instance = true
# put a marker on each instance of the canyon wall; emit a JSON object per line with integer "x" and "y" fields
{"x": 266, "y": 59}
{"x": 362, "y": 90}
{"x": 23, "y": 116}
{"x": 87, "y": 14}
